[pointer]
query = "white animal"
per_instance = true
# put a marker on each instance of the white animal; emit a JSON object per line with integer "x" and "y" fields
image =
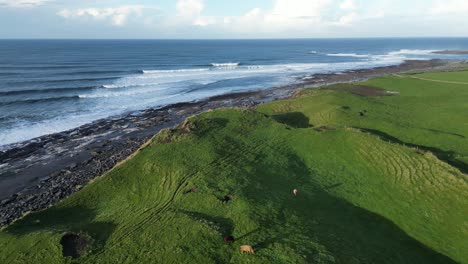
{"x": 247, "y": 248}
{"x": 295, "y": 192}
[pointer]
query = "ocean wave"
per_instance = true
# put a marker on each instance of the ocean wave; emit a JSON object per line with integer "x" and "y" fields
{"x": 40, "y": 100}
{"x": 225, "y": 64}
{"x": 313, "y": 52}
{"x": 43, "y": 67}
{"x": 119, "y": 94}
{"x": 174, "y": 71}
{"x": 9, "y": 73}
{"x": 254, "y": 67}
{"x": 97, "y": 72}
{"x": 348, "y": 55}
{"x": 25, "y": 130}
{"x": 50, "y": 90}
{"x": 62, "y": 80}
{"x": 412, "y": 52}
{"x": 115, "y": 86}
{"x": 124, "y": 92}
{"x": 111, "y": 86}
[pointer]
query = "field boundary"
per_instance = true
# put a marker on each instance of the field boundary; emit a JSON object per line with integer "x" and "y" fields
{"x": 430, "y": 80}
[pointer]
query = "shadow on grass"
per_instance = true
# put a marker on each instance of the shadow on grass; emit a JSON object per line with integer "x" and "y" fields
{"x": 446, "y": 156}
{"x": 224, "y": 225}
{"x": 315, "y": 224}
{"x": 65, "y": 220}
{"x": 293, "y": 119}
{"x": 248, "y": 234}
{"x": 204, "y": 125}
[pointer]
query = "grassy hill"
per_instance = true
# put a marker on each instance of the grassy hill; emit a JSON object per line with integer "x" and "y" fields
{"x": 381, "y": 168}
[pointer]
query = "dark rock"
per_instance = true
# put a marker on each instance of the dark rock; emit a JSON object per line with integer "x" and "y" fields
{"x": 75, "y": 245}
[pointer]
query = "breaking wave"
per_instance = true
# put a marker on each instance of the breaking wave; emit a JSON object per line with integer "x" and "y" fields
{"x": 40, "y": 100}
{"x": 412, "y": 52}
{"x": 225, "y": 64}
{"x": 174, "y": 71}
{"x": 50, "y": 90}
{"x": 354, "y": 55}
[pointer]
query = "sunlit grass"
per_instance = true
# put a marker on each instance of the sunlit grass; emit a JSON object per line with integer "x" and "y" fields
{"x": 380, "y": 180}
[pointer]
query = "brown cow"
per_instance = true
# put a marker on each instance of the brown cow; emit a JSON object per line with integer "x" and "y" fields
{"x": 248, "y": 249}
{"x": 229, "y": 239}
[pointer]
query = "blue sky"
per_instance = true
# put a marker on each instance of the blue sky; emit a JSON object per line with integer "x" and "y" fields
{"x": 232, "y": 19}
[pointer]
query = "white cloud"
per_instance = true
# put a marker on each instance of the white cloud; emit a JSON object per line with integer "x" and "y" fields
{"x": 23, "y": 3}
{"x": 294, "y": 16}
{"x": 189, "y": 8}
{"x": 449, "y": 7}
{"x": 285, "y": 18}
{"x": 190, "y": 12}
{"x": 204, "y": 21}
{"x": 347, "y": 20}
{"x": 300, "y": 8}
{"x": 117, "y": 16}
{"x": 348, "y": 5}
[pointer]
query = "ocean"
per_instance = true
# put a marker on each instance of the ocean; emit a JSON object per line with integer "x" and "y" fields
{"x": 49, "y": 86}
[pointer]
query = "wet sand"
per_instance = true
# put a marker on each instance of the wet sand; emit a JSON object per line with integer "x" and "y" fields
{"x": 38, "y": 173}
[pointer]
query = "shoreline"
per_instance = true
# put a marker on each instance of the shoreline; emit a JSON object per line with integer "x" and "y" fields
{"x": 40, "y": 172}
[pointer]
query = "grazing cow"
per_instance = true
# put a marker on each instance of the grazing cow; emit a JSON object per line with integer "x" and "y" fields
{"x": 295, "y": 192}
{"x": 227, "y": 198}
{"x": 193, "y": 190}
{"x": 228, "y": 239}
{"x": 248, "y": 249}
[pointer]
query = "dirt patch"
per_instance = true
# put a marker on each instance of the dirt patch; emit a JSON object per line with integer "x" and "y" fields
{"x": 420, "y": 152}
{"x": 186, "y": 127}
{"x": 75, "y": 245}
{"x": 361, "y": 90}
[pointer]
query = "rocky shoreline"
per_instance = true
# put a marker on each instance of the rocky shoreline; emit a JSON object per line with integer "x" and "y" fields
{"x": 39, "y": 173}
{"x": 451, "y": 52}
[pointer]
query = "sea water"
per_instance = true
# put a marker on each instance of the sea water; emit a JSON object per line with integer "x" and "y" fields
{"x": 48, "y": 86}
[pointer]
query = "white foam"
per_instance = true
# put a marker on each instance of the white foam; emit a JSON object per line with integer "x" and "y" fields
{"x": 412, "y": 52}
{"x": 175, "y": 71}
{"x": 225, "y": 64}
{"x": 313, "y": 52}
{"x": 254, "y": 67}
{"x": 110, "y": 86}
{"x": 348, "y": 55}
{"x": 26, "y": 130}
{"x": 126, "y": 93}
{"x": 114, "y": 86}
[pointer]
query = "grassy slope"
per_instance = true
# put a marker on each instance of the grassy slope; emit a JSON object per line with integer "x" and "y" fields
{"x": 364, "y": 197}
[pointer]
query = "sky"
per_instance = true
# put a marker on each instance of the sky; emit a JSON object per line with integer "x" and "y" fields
{"x": 225, "y": 19}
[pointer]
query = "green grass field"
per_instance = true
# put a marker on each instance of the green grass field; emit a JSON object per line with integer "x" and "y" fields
{"x": 382, "y": 179}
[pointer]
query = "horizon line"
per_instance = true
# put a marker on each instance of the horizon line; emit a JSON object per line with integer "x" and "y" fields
{"x": 292, "y": 38}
